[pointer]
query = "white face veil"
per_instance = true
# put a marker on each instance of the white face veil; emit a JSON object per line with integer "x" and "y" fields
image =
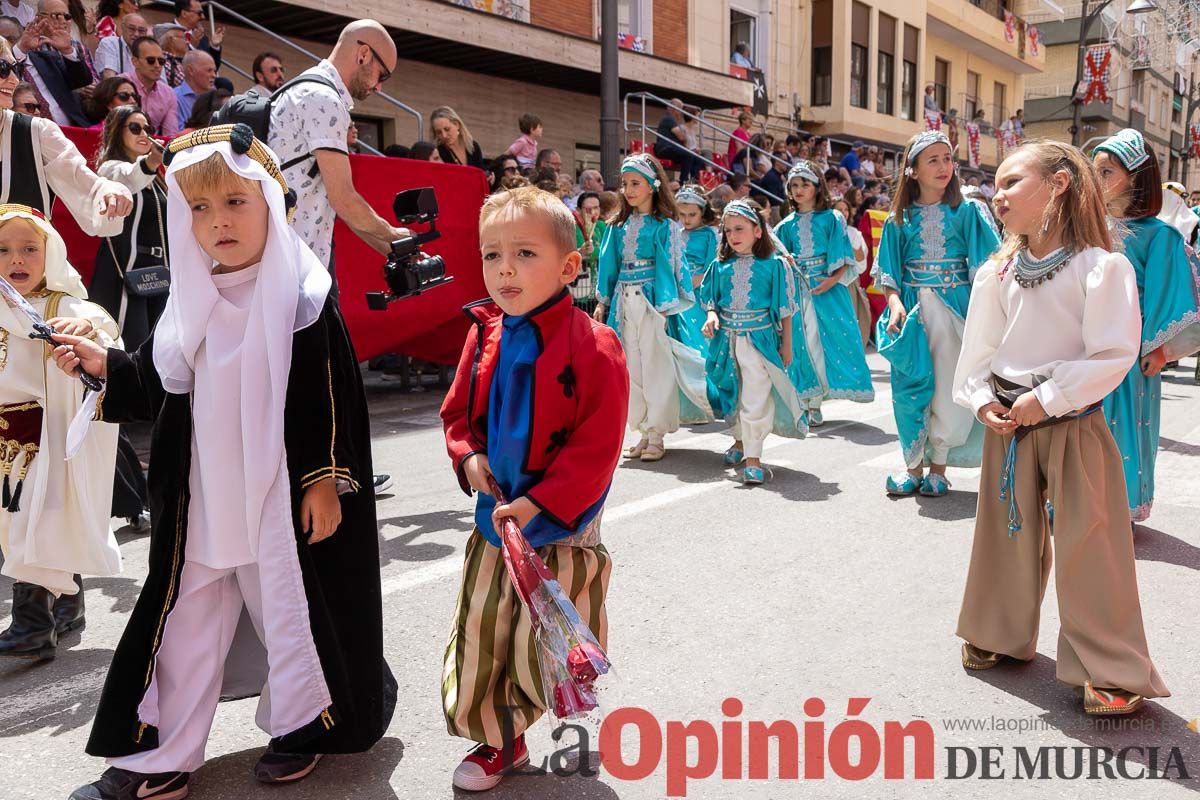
{"x": 243, "y": 380}
{"x": 292, "y": 285}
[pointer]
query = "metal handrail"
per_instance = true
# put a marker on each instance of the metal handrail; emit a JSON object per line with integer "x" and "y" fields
{"x": 213, "y": 6}
{"x": 643, "y": 96}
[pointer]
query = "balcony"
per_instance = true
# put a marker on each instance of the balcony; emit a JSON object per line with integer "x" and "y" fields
{"x": 980, "y": 26}
{"x": 492, "y": 45}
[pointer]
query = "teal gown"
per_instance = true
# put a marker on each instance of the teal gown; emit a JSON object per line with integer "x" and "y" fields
{"x": 818, "y": 242}
{"x": 699, "y": 250}
{"x": 1167, "y": 296}
{"x": 934, "y": 250}
{"x": 648, "y": 252}
{"x": 753, "y": 297}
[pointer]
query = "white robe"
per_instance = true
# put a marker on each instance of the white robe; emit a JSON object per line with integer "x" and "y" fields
{"x": 63, "y": 526}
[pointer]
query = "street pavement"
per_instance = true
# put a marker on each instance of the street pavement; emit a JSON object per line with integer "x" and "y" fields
{"x": 815, "y": 585}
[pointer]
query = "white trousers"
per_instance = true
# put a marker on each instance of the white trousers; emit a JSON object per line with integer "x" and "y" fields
{"x": 949, "y": 423}
{"x": 653, "y": 390}
{"x": 756, "y": 403}
{"x": 190, "y": 666}
{"x": 816, "y": 350}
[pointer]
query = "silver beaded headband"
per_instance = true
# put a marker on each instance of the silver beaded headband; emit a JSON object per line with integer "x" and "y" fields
{"x": 805, "y": 171}
{"x": 742, "y": 208}
{"x": 691, "y": 196}
{"x": 1127, "y": 146}
{"x": 642, "y": 165}
{"x": 924, "y": 140}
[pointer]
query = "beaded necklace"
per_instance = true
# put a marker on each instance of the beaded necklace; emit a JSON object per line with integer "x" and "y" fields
{"x": 1031, "y": 271}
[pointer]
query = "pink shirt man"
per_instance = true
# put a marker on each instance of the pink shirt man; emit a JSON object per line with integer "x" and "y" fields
{"x": 159, "y": 104}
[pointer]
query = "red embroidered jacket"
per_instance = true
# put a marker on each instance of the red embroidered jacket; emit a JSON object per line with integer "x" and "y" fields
{"x": 580, "y": 402}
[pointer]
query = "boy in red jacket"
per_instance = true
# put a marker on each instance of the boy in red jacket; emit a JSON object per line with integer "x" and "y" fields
{"x": 539, "y": 402}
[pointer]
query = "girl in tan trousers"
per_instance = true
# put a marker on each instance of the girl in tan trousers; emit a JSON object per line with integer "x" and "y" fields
{"x": 1052, "y": 329}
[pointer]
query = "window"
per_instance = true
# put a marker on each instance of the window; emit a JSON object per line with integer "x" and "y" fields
{"x": 822, "y": 52}
{"x": 999, "y": 109}
{"x": 941, "y": 80}
{"x": 971, "y": 99}
{"x": 1176, "y": 109}
{"x": 633, "y": 17}
{"x": 885, "y": 71}
{"x": 742, "y": 31}
{"x": 860, "y": 45}
{"x": 908, "y": 75}
{"x": 858, "y": 76}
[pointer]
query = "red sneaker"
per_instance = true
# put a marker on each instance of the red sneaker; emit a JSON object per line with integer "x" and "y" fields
{"x": 486, "y": 766}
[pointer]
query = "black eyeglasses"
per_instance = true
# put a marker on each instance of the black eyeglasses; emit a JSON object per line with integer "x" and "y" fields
{"x": 125, "y": 97}
{"x": 153, "y": 60}
{"x": 384, "y": 72}
{"x": 29, "y": 108}
{"x": 58, "y": 15}
{"x": 137, "y": 129}
{"x": 11, "y": 68}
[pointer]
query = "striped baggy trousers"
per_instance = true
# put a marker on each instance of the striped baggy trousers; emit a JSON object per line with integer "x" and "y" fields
{"x": 490, "y": 670}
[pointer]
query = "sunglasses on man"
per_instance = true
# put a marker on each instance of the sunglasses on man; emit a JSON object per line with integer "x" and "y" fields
{"x": 11, "y": 68}
{"x": 153, "y": 60}
{"x": 28, "y": 108}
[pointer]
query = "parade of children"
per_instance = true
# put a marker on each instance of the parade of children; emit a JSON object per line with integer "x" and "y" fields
{"x": 619, "y": 351}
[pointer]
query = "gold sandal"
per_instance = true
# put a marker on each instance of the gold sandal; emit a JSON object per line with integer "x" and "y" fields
{"x": 1110, "y": 701}
{"x": 977, "y": 658}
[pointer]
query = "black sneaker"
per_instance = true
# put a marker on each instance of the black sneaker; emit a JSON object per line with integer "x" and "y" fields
{"x": 383, "y": 482}
{"x": 275, "y": 767}
{"x": 120, "y": 784}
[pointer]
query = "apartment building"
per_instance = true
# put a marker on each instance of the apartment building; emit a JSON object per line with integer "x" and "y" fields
{"x": 1149, "y": 67}
{"x": 491, "y": 61}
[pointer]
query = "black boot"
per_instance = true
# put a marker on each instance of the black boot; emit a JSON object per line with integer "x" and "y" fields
{"x": 31, "y": 633}
{"x": 68, "y": 610}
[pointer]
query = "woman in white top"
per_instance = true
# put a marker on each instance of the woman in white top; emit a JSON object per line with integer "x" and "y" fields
{"x": 1052, "y": 329}
{"x": 38, "y": 162}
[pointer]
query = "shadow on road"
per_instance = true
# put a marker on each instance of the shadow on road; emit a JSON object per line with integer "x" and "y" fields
{"x": 1153, "y": 545}
{"x": 855, "y": 432}
{"x": 362, "y": 776}
{"x": 574, "y": 784}
{"x": 55, "y": 696}
{"x": 1035, "y": 682}
{"x": 953, "y": 507}
{"x": 1176, "y": 446}
{"x": 402, "y": 547}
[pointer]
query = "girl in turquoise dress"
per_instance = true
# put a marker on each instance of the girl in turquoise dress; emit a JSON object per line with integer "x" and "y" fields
{"x": 1167, "y": 295}
{"x": 698, "y": 219}
{"x": 749, "y": 296}
{"x": 643, "y": 289}
{"x": 825, "y": 267}
{"x": 931, "y": 246}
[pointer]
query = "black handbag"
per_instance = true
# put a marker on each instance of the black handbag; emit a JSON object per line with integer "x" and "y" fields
{"x": 151, "y": 281}
{"x": 148, "y": 281}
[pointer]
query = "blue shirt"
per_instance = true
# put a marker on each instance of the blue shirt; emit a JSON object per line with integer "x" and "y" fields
{"x": 187, "y": 98}
{"x": 849, "y": 161}
{"x": 508, "y": 434}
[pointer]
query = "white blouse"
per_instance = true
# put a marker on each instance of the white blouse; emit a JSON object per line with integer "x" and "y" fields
{"x": 67, "y": 173}
{"x": 1073, "y": 337}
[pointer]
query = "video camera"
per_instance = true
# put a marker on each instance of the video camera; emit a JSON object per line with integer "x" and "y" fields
{"x": 408, "y": 273}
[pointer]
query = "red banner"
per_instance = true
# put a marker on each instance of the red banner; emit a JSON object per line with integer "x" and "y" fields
{"x": 973, "y": 158}
{"x": 933, "y": 121}
{"x": 1099, "y": 58}
{"x": 431, "y": 326}
{"x": 1194, "y": 139}
{"x": 1010, "y": 33}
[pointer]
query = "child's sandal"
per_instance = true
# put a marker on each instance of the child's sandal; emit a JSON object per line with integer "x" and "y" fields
{"x": 654, "y": 451}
